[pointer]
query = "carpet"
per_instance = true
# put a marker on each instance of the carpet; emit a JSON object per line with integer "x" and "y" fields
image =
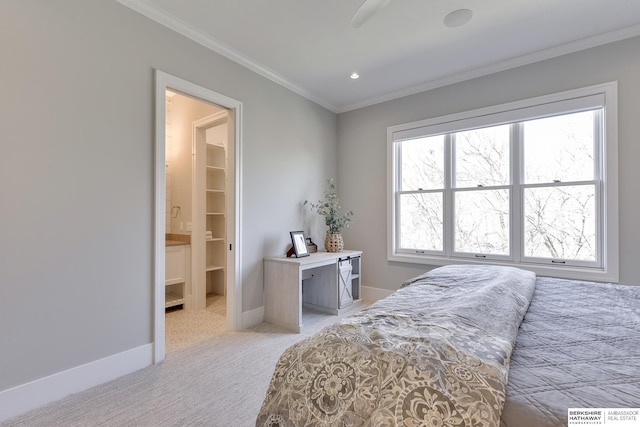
{"x": 219, "y": 381}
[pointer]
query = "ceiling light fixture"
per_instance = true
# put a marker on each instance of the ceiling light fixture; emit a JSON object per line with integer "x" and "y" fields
{"x": 355, "y": 75}
{"x": 458, "y": 18}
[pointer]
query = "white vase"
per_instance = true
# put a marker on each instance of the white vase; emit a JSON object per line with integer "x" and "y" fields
{"x": 333, "y": 242}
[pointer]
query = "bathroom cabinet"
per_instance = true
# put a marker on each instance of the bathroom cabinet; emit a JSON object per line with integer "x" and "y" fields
{"x": 176, "y": 274}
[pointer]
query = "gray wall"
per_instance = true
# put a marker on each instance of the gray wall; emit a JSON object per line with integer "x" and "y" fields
{"x": 76, "y": 176}
{"x": 362, "y": 136}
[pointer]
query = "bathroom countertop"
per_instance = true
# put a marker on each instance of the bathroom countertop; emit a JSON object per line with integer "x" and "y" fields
{"x": 177, "y": 240}
{"x": 174, "y": 243}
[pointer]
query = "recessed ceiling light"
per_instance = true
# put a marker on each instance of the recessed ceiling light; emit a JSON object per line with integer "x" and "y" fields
{"x": 458, "y": 18}
{"x": 355, "y": 75}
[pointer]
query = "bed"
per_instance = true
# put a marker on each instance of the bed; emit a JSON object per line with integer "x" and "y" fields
{"x": 578, "y": 347}
{"x": 466, "y": 346}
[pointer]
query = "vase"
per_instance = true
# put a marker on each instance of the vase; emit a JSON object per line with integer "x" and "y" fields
{"x": 333, "y": 242}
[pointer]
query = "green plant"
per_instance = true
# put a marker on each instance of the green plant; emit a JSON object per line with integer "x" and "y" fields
{"x": 329, "y": 208}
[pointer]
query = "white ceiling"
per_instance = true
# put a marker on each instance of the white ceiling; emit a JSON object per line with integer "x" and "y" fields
{"x": 309, "y": 46}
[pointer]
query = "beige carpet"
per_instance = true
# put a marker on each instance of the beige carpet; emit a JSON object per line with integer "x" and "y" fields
{"x": 218, "y": 381}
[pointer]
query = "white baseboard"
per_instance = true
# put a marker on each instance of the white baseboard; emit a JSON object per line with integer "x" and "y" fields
{"x": 20, "y": 399}
{"x": 372, "y": 295}
{"x": 252, "y": 317}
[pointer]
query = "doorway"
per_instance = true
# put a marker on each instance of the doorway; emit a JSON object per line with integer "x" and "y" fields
{"x": 230, "y": 263}
{"x": 197, "y": 152}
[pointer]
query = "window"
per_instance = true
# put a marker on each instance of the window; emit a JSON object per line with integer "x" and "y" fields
{"x": 531, "y": 184}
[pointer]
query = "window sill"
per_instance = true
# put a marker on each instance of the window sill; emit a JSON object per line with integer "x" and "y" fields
{"x": 577, "y": 273}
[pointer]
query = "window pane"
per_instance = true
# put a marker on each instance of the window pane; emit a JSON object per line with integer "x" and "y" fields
{"x": 421, "y": 221}
{"x": 482, "y": 157}
{"x": 482, "y": 222}
{"x": 559, "y": 148}
{"x": 422, "y": 163}
{"x": 560, "y": 222}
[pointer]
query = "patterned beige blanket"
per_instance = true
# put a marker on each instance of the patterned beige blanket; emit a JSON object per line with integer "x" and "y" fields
{"x": 436, "y": 352}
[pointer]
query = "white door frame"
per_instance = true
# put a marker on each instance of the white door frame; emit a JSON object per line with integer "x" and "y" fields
{"x": 166, "y": 81}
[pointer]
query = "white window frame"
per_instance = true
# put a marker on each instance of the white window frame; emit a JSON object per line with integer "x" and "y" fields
{"x": 603, "y": 95}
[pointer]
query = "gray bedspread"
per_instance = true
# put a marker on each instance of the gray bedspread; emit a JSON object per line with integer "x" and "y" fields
{"x": 436, "y": 352}
{"x": 578, "y": 347}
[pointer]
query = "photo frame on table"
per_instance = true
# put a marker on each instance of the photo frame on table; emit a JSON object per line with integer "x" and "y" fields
{"x": 299, "y": 244}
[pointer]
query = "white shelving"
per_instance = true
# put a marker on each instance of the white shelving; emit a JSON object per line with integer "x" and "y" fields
{"x": 172, "y": 299}
{"x": 215, "y": 217}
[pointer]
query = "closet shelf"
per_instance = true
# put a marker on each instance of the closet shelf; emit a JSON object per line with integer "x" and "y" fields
{"x": 171, "y": 299}
{"x": 214, "y": 210}
{"x": 214, "y": 145}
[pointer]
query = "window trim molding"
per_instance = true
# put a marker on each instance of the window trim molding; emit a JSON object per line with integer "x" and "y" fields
{"x": 609, "y": 166}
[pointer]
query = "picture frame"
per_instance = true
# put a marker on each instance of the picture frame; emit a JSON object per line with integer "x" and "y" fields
{"x": 299, "y": 243}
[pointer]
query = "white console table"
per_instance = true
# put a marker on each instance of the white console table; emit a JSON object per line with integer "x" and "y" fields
{"x": 326, "y": 281}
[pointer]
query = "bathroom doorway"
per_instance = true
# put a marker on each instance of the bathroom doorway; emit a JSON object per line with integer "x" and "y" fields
{"x": 197, "y": 199}
{"x": 197, "y": 154}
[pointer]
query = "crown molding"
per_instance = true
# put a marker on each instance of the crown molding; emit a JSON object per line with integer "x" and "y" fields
{"x": 563, "y": 49}
{"x": 166, "y": 19}
{"x": 162, "y": 17}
